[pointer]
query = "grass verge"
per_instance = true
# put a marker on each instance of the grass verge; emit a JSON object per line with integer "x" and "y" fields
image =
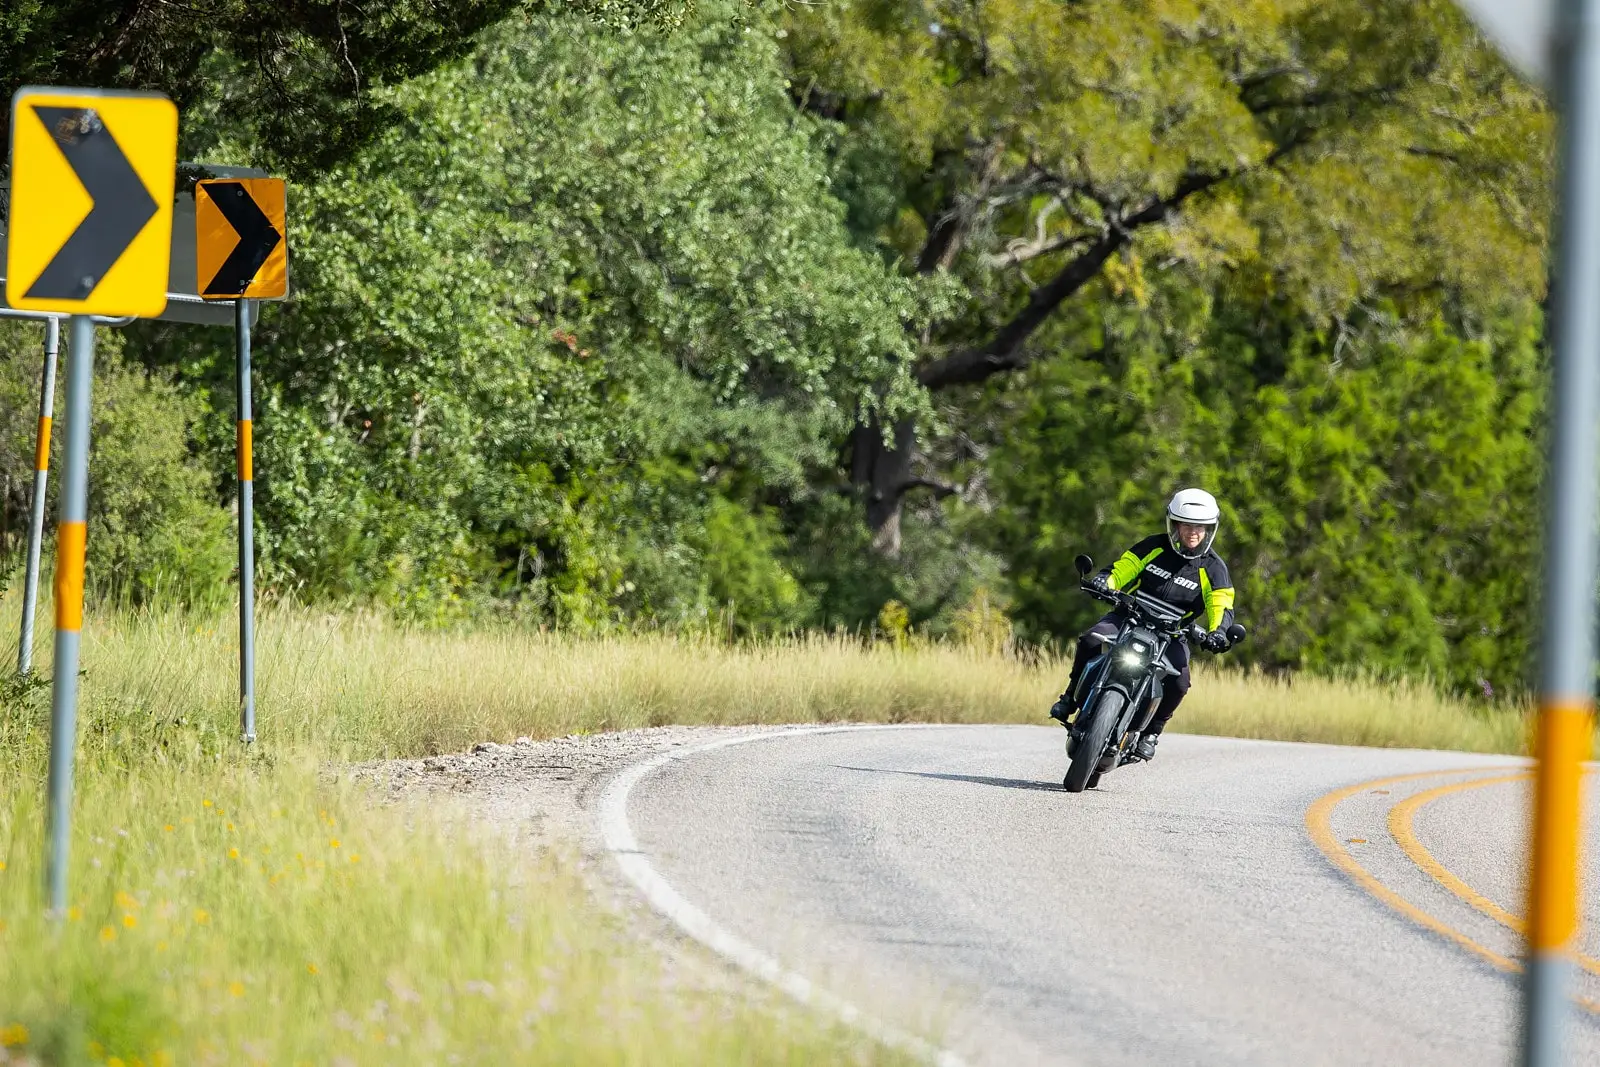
{"x": 359, "y": 688}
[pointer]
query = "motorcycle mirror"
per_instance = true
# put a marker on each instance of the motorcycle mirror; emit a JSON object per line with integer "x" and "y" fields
{"x": 1084, "y": 565}
{"x": 1235, "y": 634}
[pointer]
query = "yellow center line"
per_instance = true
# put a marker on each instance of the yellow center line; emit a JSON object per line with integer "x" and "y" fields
{"x": 1319, "y": 818}
{"x": 1401, "y": 828}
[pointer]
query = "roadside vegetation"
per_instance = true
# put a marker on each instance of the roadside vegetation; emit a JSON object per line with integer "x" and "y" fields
{"x": 759, "y": 317}
{"x": 630, "y": 366}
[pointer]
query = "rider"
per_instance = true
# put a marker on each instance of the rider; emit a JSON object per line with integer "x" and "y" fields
{"x": 1180, "y": 568}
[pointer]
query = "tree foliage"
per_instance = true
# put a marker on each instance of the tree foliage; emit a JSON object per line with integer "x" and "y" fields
{"x": 307, "y": 76}
{"x": 567, "y": 332}
{"x": 1380, "y": 506}
{"x": 1044, "y": 153}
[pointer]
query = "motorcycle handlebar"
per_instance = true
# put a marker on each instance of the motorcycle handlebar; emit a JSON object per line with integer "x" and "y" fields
{"x": 1193, "y": 632}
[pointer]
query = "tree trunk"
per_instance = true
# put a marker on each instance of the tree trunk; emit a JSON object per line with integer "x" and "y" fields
{"x": 881, "y": 472}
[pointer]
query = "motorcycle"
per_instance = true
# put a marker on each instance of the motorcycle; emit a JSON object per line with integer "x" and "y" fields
{"x": 1120, "y": 689}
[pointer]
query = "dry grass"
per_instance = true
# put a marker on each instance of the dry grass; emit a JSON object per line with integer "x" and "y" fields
{"x": 358, "y": 688}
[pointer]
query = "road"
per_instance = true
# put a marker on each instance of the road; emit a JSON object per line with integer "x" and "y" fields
{"x": 1235, "y": 902}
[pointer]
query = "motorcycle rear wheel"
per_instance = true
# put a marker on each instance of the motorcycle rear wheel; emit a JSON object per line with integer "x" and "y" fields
{"x": 1107, "y": 710}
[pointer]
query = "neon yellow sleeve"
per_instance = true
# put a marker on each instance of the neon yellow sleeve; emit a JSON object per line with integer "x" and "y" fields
{"x": 1129, "y": 567}
{"x": 1218, "y": 602}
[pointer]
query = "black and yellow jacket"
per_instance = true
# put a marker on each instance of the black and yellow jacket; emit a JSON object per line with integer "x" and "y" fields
{"x": 1200, "y": 586}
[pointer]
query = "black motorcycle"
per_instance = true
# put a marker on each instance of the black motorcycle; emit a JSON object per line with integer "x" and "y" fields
{"x": 1120, "y": 688}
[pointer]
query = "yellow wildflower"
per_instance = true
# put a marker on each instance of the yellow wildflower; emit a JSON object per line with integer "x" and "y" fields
{"x": 230, "y": 827}
{"x": 201, "y": 916}
{"x": 333, "y": 842}
{"x": 13, "y": 1035}
{"x": 107, "y": 935}
{"x": 74, "y": 913}
{"x": 233, "y": 853}
{"x": 130, "y": 921}
{"x": 355, "y": 857}
{"x": 126, "y": 901}
{"x": 236, "y": 989}
{"x": 312, "y": 968}
{"x": 206, "y": 803}
{"x": 169, "y": 828}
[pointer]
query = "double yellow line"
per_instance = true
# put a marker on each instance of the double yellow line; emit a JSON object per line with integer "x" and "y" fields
{"x": 1319, "y": 818}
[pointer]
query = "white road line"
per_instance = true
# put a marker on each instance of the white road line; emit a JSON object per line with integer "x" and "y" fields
{"x": 620, "y": 842}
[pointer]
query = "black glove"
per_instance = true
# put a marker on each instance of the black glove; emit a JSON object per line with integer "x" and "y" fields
{"x": 1100, "y": 583}
{"x": 1215, "y": 641}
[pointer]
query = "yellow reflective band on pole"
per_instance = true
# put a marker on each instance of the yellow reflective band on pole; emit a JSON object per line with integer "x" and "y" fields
{"x": 71, "y": 537}
{"x": 41, "y": 454}
{"x": 1561, "y": 745}
{"x": 246, "y": 458}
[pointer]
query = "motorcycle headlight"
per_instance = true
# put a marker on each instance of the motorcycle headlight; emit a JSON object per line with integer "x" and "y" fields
{"x": 1133, "y": 657}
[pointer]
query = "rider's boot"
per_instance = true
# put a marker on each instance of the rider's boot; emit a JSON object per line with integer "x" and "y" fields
{"x": 1061, "y": 710}
{"x": 1146, "y": 749}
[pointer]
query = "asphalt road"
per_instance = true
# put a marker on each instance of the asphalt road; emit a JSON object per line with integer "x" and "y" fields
{"x": 1232, "y": 903}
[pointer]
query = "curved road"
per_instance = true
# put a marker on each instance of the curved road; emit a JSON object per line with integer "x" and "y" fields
{"x": 1236, "y": 902}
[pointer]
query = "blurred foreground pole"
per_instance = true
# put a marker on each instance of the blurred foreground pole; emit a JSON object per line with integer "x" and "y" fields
{"x": 70, "y": 540}
{"x": 41, "y": 478}
{"x": 247, "y": 547}
{"x": 1567, "y": 678}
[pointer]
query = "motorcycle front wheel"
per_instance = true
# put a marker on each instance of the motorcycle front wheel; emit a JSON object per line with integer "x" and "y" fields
{"x": 1107, "y": 710}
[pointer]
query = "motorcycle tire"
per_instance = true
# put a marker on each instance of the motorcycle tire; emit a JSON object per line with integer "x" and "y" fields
{"x": 1094, "y": 779}
{"x": 1107, "y": 710}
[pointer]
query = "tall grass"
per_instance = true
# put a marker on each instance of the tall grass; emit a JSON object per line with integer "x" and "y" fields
{"x": 354, "y": 687}
{"x": 247, "y": 909}
{"x": 228, "y": 915}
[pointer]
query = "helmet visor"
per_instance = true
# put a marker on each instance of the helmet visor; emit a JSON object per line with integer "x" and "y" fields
{"x": 1184, "y": 550}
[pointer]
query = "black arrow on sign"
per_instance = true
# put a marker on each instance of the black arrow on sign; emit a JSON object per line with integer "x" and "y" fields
{"x": 121, "y": 204}
{"x": 257, "y": 239}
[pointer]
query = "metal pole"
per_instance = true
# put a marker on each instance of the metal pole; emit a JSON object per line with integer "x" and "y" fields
{"x": 247, "y": 548}
{"x": 1566, "y": 697}
{"x": 71, "y": 533}
{"x": 41, "y": 477}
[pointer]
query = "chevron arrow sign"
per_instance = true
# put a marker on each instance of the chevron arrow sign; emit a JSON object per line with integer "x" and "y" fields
{"x": 241, "y": 239}
{"x": 92, "y": 174}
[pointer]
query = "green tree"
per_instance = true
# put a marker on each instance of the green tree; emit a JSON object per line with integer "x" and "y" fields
{"x": 1049, "y": 156}
{"x": 586, "y": 294}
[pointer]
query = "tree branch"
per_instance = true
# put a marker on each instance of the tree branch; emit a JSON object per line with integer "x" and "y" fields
{"x": 950, "y": 224}
{"x": 940, "y": 489}
{"x": 1005, "y": 351}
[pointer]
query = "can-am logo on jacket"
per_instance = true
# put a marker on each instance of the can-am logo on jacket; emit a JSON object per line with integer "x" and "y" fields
{"x": 1168, "y": 575}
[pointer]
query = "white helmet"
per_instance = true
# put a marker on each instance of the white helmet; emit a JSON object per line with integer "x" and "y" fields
{"x": 1197, "y": 508}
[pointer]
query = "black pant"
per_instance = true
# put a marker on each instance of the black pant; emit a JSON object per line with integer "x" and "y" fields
{"x": 1173, "y": 688}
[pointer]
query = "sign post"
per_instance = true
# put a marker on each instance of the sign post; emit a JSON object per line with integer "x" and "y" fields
{"x": 247, "y": 538}
{"x": 92, "y": 175}
{"x": 1558, "y": 43}
{"x": 41, "y": 478}
{"x": 242, "y": 256}
{"x": 1566, "y": 682}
